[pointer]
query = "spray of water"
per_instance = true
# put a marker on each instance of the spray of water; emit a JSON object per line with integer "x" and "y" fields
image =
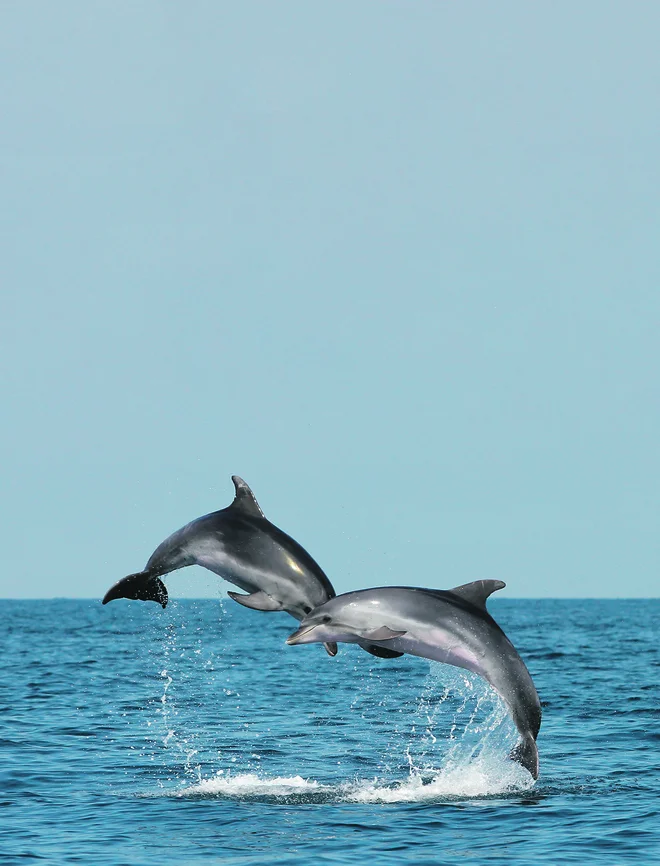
{"x": 453, "y": 742}
{"x": 448, "y": 738}
{"x": 181, "y": 656}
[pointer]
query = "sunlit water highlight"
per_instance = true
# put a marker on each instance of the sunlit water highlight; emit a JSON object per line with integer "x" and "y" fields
{"x": 135, "y": 735}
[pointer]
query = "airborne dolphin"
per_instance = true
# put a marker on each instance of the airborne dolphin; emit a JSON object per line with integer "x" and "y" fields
{"x": 242, "y": 546}
{"x": 451, "y": 626}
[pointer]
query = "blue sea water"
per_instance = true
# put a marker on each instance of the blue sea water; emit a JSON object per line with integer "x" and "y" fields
{"x": 133, "y": 735}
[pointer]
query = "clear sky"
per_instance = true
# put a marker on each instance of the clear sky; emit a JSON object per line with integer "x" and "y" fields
{"x": 395, "y": 263}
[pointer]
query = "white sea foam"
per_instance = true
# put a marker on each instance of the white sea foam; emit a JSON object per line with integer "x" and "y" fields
{"x": 478, "y": 779}
{"x": 453, "y": 742}
{"x": 481, "y": 778}
{"x": 251, "y": 785}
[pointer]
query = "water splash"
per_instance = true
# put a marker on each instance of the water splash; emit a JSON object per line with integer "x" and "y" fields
{"x": 451, "y": 743}
{"x": 250, "y": 786}
{"x": 181, "y": 659}
{"x": 478, "y": 779}
{"x": 459, "y": 718}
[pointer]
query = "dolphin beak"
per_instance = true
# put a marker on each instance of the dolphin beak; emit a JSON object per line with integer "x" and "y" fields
{"x": 297, "y": 636}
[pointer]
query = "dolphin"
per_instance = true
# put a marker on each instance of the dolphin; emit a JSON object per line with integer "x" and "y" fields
{"x": 242, "y": 546}
{"x": 450, "y": 626}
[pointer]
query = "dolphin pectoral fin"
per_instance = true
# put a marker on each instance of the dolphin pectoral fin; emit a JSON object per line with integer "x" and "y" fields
{"x": 330, "y": 648}
{"x": 382, "y": 633}
{"x": 257, "y": 601}
{"x": 380, "y": 651}
{"x": 526, "y": 753}
{"x": 478, "y": 591}
{"x": 142, "y": 586}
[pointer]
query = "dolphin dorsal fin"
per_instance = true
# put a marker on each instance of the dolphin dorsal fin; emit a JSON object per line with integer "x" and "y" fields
{"x": 245, "y": 500}
{"x": 478, "y": 591}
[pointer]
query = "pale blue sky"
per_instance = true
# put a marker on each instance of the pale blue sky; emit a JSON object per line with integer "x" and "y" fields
{"x": 395, "y": 263}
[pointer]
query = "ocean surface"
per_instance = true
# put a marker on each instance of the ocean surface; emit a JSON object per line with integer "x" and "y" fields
{"x": 133, "y": 735}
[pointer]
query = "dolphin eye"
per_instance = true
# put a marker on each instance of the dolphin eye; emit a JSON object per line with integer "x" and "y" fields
{"x": 326, "y": 618}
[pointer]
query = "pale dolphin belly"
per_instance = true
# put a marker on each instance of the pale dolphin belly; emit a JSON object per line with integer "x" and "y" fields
{"x": 290, "y": 594}
{"x": 437, "y": 645}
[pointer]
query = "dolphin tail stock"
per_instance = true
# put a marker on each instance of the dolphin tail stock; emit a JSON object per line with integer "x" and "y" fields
{"x": 526, "y": 753}
{"x": 142, "y": 586}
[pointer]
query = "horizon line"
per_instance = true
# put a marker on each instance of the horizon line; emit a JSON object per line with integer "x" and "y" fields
{"x": 492, "y": 598}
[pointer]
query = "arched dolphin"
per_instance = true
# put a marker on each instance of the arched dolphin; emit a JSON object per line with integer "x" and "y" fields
{"x": 450, "y": 626}
{"x": 242, "y": 546}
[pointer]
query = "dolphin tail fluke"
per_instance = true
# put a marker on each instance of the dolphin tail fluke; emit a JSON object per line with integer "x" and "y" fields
{"x": 526, "y": 753}
{"x": 142, "y": 586}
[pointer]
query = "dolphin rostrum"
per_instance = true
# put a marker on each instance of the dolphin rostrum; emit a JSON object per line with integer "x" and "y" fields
{"x": 242, "y": 546}
{"x": 450, "y": 626}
